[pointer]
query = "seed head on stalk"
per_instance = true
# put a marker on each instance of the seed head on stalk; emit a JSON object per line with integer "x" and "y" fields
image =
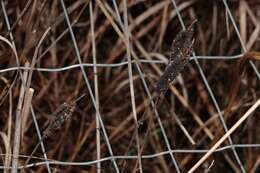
{"x": 181, "y": 49}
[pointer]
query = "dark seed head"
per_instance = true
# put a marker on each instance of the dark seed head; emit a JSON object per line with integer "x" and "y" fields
{"x": 183, "y": 43}
{"x": 62, "y": 114}
{"x": 182, "y": 47}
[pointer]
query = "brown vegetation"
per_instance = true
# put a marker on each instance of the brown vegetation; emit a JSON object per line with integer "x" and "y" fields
{"x": 188, "y": 114}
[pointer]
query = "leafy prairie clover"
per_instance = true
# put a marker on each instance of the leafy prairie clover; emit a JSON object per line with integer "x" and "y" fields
{"x": 181, "y": 49}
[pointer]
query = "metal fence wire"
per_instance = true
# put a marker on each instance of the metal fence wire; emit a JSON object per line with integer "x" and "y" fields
{"x": 117, "y": 16}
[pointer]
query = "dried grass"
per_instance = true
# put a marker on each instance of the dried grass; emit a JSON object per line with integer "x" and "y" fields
{"x": 187, "y": 115}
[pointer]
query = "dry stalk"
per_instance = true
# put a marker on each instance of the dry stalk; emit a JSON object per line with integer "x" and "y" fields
{"x": 92, "y": 25}
{"x": 182, "y": 47}
{"x": 132, "y": 92}
{"x": 25, "y": 114}
{"x": 9, "y": 132}
{"x": 18, "y": 123}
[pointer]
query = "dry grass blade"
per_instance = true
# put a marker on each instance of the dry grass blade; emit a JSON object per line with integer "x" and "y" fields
{"x": 223, "y": 138}
{"x": 5, "y": 92}
{"x": 186, "y": 133}
{"x": 247, "y": 57}
{"x": 33, "y": 63}
{"x": 92, "y": 26}
{"x": 132, "y": 91}
{"x": 9, "y": 44}
{"x": 237, "y": 74}
{"x": 18, "y": 124}
{"x": 20, "y": 16}
{"x": 6, "y": 142}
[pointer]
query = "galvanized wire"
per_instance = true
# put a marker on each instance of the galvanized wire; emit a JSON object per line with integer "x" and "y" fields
{"x": 112, "y": 65}
{"x": 130, "y": 157}
{"x": 170, "y": 151}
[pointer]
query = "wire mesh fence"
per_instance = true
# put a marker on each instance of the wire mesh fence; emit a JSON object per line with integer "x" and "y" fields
{"x": 114, "y": 51}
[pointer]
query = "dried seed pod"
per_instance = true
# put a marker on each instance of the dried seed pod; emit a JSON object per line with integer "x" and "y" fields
{"x": 182, "y": 44}
{"x": 62, "y": 114}
{"x": 182, "y": 47}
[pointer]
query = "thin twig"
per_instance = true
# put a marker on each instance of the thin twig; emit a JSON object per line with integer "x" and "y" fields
{"x": 183, "y": 129}
{"x": 92, "y": 25}
{"x": 130, "y": 74}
